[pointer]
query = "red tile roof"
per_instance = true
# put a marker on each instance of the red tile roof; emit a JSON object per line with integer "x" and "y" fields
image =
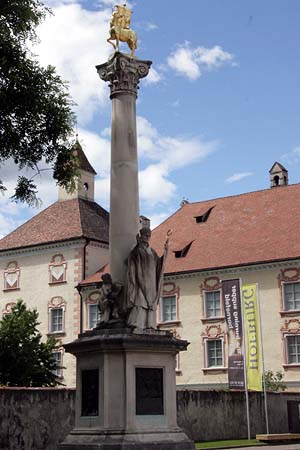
{"x": 64, "y": 220}
{"x": 244, "y": 229}
{"x": 95, "y": 278}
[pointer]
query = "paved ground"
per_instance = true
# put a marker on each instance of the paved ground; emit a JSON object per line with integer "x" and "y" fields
{"x": 271, "y": 447}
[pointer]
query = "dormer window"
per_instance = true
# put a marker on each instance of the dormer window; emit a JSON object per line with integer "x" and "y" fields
{"x": 183, "y": 252}
{"x": 203, "y": 217}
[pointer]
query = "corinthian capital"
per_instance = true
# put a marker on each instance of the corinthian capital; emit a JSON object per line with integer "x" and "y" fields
{"x": 123, "y": 73}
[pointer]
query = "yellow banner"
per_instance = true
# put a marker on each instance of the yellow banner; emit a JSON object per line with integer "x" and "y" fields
{"x": 252, "y": 337}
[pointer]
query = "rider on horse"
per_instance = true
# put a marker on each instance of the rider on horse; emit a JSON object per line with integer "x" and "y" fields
{"x": 120, "y": 28}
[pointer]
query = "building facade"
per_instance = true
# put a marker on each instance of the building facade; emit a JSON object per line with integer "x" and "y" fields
{"x": 43, "y": 261}
{"x": 253, "y": 237}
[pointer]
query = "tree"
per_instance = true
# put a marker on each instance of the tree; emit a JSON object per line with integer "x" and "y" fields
{"x": 274, "y": 381}
{"x": 36, "y": 119}
{"x": 24, "y": 359}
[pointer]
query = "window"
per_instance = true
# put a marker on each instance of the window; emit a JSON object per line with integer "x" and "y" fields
{"x": 291, "y": 295}
{"x": 11, "y": 276}
{"x": 58, "y": 359}
{"x": 214, "y": 352}
{"x": 57, "y": 269}
{"x": 56, "y": 320}
{"x": 93, "y": 315}
{"x": 212, "y": 304}
{"x": 293, "y": 349}
{"x": 168, "y": 306}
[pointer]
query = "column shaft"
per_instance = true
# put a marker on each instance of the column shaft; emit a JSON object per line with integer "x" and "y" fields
{"x": 124, "y": 190}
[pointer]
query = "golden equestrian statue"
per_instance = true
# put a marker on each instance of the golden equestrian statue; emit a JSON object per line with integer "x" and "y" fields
{"x": 120, "y": 28}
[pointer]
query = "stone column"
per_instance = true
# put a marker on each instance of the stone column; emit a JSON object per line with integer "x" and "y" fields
{"x": 123, "y": 74}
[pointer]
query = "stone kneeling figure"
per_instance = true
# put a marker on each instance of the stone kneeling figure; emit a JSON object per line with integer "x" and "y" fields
{"x": 109, "y": 300}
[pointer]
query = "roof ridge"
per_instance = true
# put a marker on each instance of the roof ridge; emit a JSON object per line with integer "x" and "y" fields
{"x": 239, "y": 195}
{"x": 218, "y": 198}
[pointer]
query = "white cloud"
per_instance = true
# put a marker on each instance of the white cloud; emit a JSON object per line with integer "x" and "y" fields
{"x": 175, "y": 104}
{"x": 293, "y": 157}
{"x": 153, "y": 77}
{"x": 149, "y": 26}
{"x": 238, "y": 177}
{"x": 160, "y": 155}
{"x": 7, "y": 224}
{"x": 74, "y": 40}
{"x": 112, "y": 3}
{"x": 155, "y": 188}
{"x": 97, "y": 150}
{"x": 191, "y": 62}
{"x": 172, "y": 152}
{"x": 165, "y": 155}
{"x": 14, "y": 214}
{"x": 55, "y": 3}
{"x": 107, "y": 2}
{"x": 157, "y": 219}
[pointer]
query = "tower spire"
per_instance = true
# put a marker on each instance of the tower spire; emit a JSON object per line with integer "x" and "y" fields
{"x": 85, "y": 188}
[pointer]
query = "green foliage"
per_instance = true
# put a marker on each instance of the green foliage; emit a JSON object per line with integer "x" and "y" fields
{"x": 26, "y": 189}
{"x": 24, "y": 359}
{"x": 36, "y": 119}
{"x": 274, "y": 381}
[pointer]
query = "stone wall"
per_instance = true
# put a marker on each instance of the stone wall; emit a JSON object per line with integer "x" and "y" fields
{"x": 37, "y": 419}
{"x": 213, "y": 415}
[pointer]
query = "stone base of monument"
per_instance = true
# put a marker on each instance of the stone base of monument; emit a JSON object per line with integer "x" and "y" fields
{"x": 126, "y": 391}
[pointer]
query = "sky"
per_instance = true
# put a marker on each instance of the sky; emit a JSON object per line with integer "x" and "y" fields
{"x": 221, "y": 103}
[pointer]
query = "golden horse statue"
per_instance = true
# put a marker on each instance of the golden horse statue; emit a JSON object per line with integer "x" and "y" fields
{"x": 120, "y": 29}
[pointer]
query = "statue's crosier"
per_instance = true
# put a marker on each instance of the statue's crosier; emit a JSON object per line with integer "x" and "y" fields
{"x": 120, "y": 28}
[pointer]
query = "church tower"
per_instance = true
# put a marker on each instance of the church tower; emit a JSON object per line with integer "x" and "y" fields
{"x": 87, "y": 172}
{"x": 278, "y": 175}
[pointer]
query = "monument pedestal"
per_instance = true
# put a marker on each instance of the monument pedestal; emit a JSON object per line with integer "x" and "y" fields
{"x": 126, "y": 392}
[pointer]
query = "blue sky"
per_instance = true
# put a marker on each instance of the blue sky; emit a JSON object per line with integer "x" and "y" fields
{"x": 220, "y": 106}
